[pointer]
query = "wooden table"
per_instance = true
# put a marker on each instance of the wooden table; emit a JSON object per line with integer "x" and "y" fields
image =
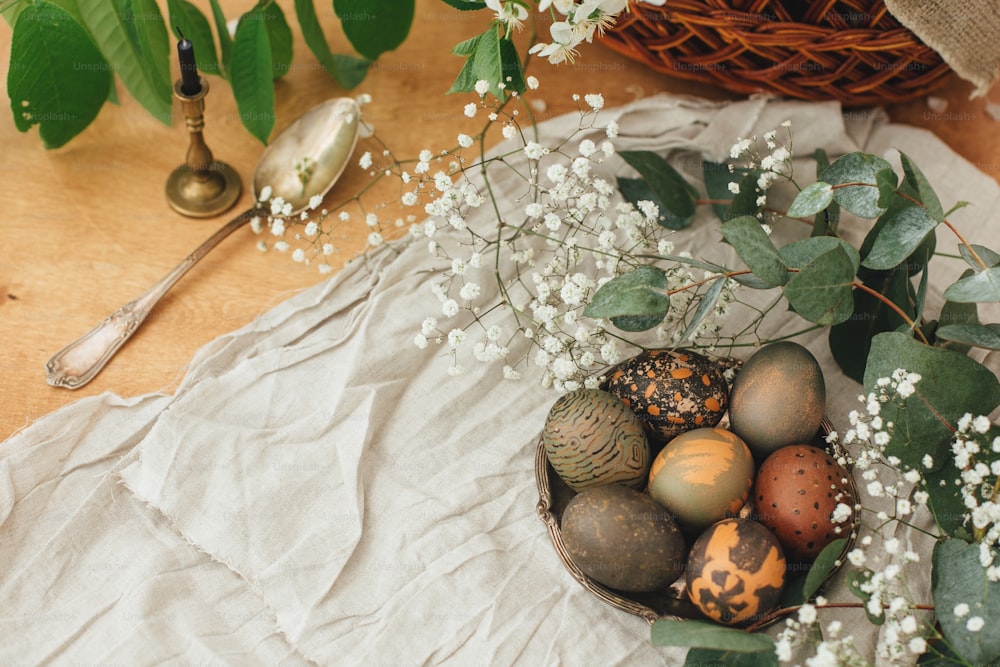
{"x": 86, "y": 227}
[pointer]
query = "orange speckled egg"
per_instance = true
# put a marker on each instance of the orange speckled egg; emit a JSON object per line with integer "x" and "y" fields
{"x": 671, "y": 391}
{"x": 735, "y": 571}
{"x": 796, "y": 493}
{"x": 702, "y": 476}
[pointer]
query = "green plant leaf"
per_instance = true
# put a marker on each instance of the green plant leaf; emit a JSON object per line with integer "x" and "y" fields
{"x": 982, "y": 286}
{"x": 925, "y": 192}
{"x": 196, "y": 28}
{"x": 466, "y": 5}
{"x": 676, "y": 196}
{"x": 375, "y": 27}
{"x": 952, "y": 385}
{"x": 958, "y": 313}
{"x": 641, "y": 293}
{"x": 980, "y": 335}
{"x": 826, "y": 562}
{"x": 887, "y": 182}
{"x": 756, "y": 249}
{"x": 944, "y": 498}
{"x": 957, "y": 578}
{"x": 251, "y": 75}
{"x": 860, "y": 168}
{"x": 811, "y": 200}
{"x": 707, "y": 301}
{"x": 717, "y": 177}
{"x": 826, "y": 221}
{"x": 706, "y": 657}
{"x": 145, "y": 27}
{"x": 799, "y": 253}
{"x": 58, "y": 78}
{"x": 856, "y": 579}
{"x": 901, "y": 234}
{"x": 279, "y": 36}
{"x": 512, "y": 68}
{"x": 635, "y": 190}
{"x": 989, "y": 257}
{"x": 851, "y": 340}
{"x": 347, "y": 70}
{"x": 139, "y": 62}
{"x": 702, "y": 634}
{"x": 225, "y": 40}
{"x": 821, "y": 291}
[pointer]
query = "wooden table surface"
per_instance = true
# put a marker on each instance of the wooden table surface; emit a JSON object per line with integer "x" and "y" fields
{"x": 86, "y": 228}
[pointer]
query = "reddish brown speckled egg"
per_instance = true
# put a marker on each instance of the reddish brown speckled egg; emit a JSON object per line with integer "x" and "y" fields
{"x": 671, "y": 391}
{"x": 797, "y": 491}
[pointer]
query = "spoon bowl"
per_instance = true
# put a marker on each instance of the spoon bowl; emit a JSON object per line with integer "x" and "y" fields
{"x": 304, "y": 161}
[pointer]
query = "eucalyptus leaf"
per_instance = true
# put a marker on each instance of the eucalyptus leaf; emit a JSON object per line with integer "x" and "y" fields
{"x": 823, "y": 566}
{"x": 811, "y": 200}
{"x": 705, "y": 305}
{"x": 850, "y": 341}
{"x": 466, "y": 5}
{"x": 142, "y": 76}
{"x": 944, "y": 498}
{"x": 251, "y": 73}
{"x": 887, "y": 182}
{"x": 706, "y": 657}
{"x": 58, "y": 78}
{"x": 375, "y": 27}
{"x": 919, "y": 182}
{"x": 635, "y": 190}
{"x": 821, "y": 291}
{"x": 642, "y": 292}
{"x": 745, "y": 200}
{"x": 826, "y": 221}
{"x": 857, "y": 581}
{"x": 952, "y": 385}
{"x": 717, "y": 177}
{"x": 225, "y": 39}
{"x": 347, "y": 70}
{"x": 988, "y": 257}
{"x": 279, "y": 37}
{"x": 901, "y": 234}
{"x": 195, "y": 27}
{"x": 676, "y": 195}
{"x": 756, "y": 249}
{"x": 702, "y": 634}
{"x": 957, "y": 577}
{"x": 636, "y": 323}
{"x": 980, "y": 287}
{"x": 958, "y": 313}
{"x": 861, "y": 169}
{"x": 752, "y": 281}
{"x": 799, "y": 253}
{"x": 980, "y": 335}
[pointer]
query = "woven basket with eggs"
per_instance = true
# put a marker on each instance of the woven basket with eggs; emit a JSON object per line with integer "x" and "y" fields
{"x": 853, "y": 51}
{"x": 671, "y": 492}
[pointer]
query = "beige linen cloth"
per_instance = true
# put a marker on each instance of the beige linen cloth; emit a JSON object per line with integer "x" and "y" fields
{"x": 965, "y": 33}
{"x": 318, "y": 490}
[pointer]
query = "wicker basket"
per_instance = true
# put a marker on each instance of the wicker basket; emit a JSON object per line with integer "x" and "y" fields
{"x": 554, "y": 495}
{"x": 853, "y": 51}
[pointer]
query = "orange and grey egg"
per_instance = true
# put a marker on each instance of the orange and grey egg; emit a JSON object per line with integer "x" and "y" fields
{"x": 735, "y": 571}
{"x": 798, "y": 488}
{"x": 702, "y": 476}
{"x": 591, "y": 438}
{"x": 622, "y": 539}
{"x": 671, "y": 391}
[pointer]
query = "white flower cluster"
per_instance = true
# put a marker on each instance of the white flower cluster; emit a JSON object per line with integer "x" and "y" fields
{"x": 773, "y": 165}
{"x": 546, "y": 258}
{"x": 582, "y": 19}
{"x": 834, "y": 650}
{"x": 977, "y": 455}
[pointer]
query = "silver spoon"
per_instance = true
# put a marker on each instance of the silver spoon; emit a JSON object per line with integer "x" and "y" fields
{"x": 305, "y": 160}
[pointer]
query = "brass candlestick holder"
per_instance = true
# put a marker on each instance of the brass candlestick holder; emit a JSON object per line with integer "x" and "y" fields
{"x": 202, "y": 187}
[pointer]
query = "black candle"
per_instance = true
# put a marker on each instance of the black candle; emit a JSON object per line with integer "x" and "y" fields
{"x": 190, "y": 81}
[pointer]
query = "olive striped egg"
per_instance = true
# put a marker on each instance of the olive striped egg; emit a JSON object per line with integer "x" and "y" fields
{"x": 591, "y": 438}
{"x": 671, "y": 391}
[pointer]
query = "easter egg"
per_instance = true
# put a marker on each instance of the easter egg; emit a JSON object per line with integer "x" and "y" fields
{"x": 735, "y": 571}
{"x": 796, "y": 494}
{"x": 702, "y": 476}
{"x": 592, "y": 438}
{"x": 621, "y": 538}
{"x": 671, "y": 391}
{"x": 778, "y": 398}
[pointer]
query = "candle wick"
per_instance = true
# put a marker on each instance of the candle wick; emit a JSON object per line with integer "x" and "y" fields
{"x": 179, "y": 33}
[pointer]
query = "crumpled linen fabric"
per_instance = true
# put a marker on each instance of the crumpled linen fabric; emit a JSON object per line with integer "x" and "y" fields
{"x": 320, "y": 491}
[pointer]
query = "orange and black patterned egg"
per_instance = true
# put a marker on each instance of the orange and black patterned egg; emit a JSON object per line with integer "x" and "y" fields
{"x": 735, "y": 571}
{"x": 591, "y": 438}
{"x": 797, "y": 494}
{"x": 671, "y": 391}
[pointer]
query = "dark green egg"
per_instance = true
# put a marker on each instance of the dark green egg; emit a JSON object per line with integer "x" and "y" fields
{"x": 778, "y": 398}
{"x": 623, "y": 539}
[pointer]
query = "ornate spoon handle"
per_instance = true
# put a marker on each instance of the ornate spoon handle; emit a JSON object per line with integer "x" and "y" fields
{"x": 79, "y": 362}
